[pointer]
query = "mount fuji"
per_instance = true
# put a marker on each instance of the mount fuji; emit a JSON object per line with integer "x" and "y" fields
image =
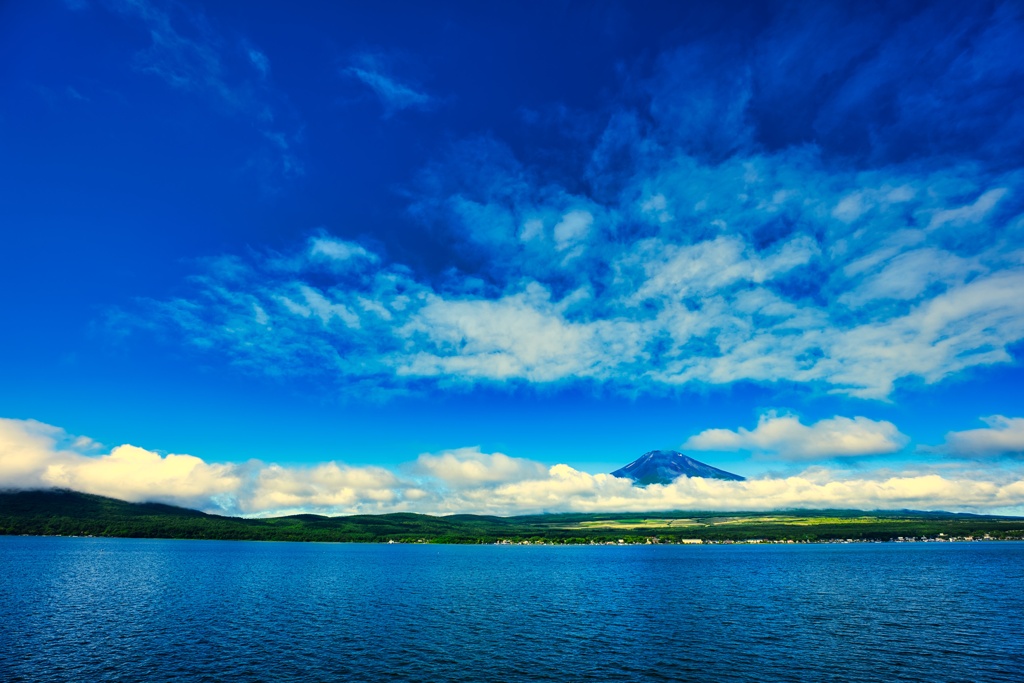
{"x": 664, "y": 467}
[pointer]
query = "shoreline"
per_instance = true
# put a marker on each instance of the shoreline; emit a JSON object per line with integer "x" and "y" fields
{"x": 510, "y": 543}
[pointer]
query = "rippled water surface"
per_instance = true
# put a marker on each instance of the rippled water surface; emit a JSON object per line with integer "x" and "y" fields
{"x": 76, "y": 609}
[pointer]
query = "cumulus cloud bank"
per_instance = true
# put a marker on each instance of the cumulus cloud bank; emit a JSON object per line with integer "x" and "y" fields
{"x": 465, "y": 480}
{"x": 33, "y": 454}
{"x": 785, "y": 437}
{"x": 1003, "y": 436}
{"x": 468, "y": 467}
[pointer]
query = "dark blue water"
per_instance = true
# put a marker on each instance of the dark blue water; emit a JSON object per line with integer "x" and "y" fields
{"x": 148, "y": 610}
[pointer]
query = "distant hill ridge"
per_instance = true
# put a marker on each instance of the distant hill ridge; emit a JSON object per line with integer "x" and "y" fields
{"x": 69, "y": 513}
{"x": 664, "y": 467}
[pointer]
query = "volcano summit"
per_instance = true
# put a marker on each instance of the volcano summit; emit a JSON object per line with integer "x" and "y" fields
{"x": 664, "y": 467}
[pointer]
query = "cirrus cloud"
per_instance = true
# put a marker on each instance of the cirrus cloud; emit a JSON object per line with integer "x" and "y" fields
{"x": 186, "y": 53}
{"x": 371, "y": 69}
{"x": 756, "y": 267}
{"x": 718, "y": 220}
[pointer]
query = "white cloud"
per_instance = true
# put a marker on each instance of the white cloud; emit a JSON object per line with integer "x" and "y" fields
{"x": 891, "y": 246}
{"x": 1003, "y": 436}
{"x": 338, "y": 250}
{"x": 33, "y": 455}
{"x": 26, "y": 449}
{"x": 850, "y": 207}
{"x": 36, "y": 455}
{"x": 532, "y": 229}
{"x": 972, "y": 213}
{"x": 966, "y": 326}
{"x": 259, "y": 61}
{"x": 708, "y": 256}
{"x": 465, "y": 467}
{"x": 785, "y": 437}
{"x": 327, "y": 488}
{"x": 772, "y": 267}
{"x": 198, "y": 64}
{"x": 567, "y": 489}
{"x": 320, "y": 306}
{"x": 524, "y": 335}
{"x": 657, "y": 207}
{"x": 672, "y": 271}
{"x": 910, "y": 274}
{"x": 135, "y": 474}
{"x": 573, "y": 228}
{"x": 394, "y": 95}
{"x": 709, "y": 312}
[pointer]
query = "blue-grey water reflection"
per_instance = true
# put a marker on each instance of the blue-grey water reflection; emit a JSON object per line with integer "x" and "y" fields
{"x": 135, "y": 610}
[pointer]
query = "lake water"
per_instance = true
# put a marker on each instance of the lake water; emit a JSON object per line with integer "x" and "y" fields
{"x": 76, "y": 609}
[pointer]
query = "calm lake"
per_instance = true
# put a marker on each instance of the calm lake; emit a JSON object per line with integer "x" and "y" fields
{"x": 78, "y": 609}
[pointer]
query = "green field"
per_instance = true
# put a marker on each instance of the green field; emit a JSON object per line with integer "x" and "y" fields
{"x": 662, "y": 523}
{"x": 67, "y": 513}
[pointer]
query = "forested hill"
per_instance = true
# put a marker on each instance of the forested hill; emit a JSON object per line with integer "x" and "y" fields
{"x": 69, "y": 513}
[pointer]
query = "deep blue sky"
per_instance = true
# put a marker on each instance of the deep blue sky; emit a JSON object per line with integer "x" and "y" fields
{"x": 567, "y": 232}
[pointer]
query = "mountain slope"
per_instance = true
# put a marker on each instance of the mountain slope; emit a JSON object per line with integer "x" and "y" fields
{"x": 664, "y": 467}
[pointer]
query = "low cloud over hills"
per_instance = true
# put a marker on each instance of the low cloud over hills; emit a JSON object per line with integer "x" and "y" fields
{"x": 36, "y": 455}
